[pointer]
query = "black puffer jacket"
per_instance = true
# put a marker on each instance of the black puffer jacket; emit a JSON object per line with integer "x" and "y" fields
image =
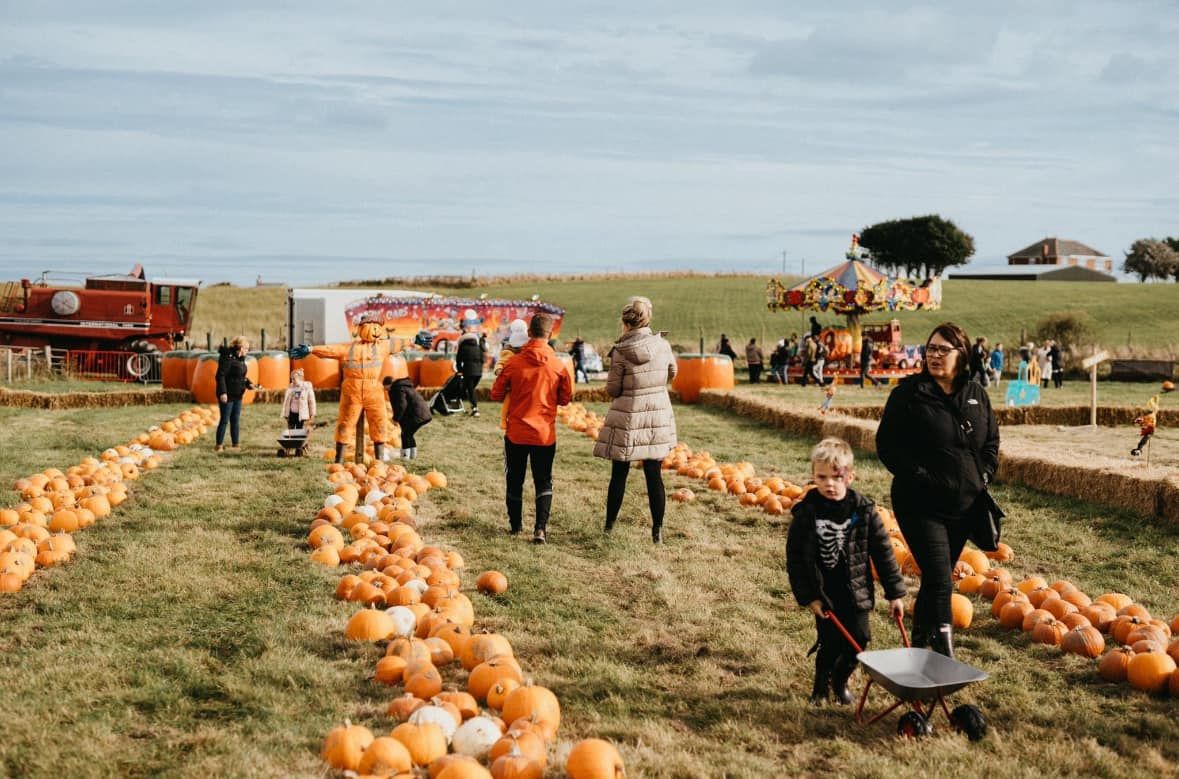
{"x": 468, "y": 356}
{"x": 866, "y": 539}
{"x": 931, "y": 458}
{"x": 231, "y": 373}
{"x": 409, "y": 408}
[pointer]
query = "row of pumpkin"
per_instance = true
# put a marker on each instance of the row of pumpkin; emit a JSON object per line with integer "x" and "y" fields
{"x": 37, "y": 533}
{"x": 411, "y": 597}
{"x": 1145, "y": 652}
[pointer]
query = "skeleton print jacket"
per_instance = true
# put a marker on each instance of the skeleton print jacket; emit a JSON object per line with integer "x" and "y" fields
{"x": 816, "y": 542}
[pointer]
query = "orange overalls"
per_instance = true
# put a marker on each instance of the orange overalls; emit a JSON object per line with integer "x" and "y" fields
{"x": 360, "y": 362}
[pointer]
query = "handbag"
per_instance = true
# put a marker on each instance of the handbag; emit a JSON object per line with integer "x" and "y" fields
{"x": 984, "y": 517}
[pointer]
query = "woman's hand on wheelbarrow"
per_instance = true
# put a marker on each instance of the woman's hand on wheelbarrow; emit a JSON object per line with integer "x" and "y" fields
{"x": 896, "y": 608}
{"x": 819, "y": 610}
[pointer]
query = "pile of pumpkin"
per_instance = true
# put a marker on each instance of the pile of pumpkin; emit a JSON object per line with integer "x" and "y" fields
{"x": 37, "y": 532}
{"x": 412, "y": 600}
{"x": 773, "y": 495}
{"x": 577, "y": 417}
{"x": 1059, "y": 614}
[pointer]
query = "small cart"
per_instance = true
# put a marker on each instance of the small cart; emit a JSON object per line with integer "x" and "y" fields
{"x": 921, "y": 679}
{"x": 293, "y": 443}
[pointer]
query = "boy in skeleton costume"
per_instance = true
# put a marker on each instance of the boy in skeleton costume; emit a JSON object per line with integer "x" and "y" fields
{"x": 835, "y": 535}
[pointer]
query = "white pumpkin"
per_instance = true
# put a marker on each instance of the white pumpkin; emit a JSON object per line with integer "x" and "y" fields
{"x": 440, "y": 717}
{"x": 475, "y": 737}
{"x": 417, "y": 584}
{"x": 404, "y": 620}
{"x": 368, "y": 511}
{"x": 373, "y": 497}
{"x": 331, "y": 501}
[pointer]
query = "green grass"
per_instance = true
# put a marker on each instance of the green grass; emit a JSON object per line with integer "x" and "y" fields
{"x": 1073, "y": 393}
{"x": 1142, "y": 318}
{"x": 191, "y": 637}
{"x": 222, "y": 313}
{"x": 60, "y": 384}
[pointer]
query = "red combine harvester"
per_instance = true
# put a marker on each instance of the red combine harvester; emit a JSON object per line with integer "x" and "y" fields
{"x": 108, "y": 326}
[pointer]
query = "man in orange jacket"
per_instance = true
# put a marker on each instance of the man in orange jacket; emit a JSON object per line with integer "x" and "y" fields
{"x": 361, "y": 391}
{"x": 537, "y": 382}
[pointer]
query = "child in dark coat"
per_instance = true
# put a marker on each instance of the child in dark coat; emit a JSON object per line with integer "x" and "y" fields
{"x": 835, "y": 534}
{"x": 410, "y": 412}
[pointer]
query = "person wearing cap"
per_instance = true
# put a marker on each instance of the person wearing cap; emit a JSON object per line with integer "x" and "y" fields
{"x": 517, "y": 337}
{"x": 468, "y": 361}
{"x": 532, "y": 384}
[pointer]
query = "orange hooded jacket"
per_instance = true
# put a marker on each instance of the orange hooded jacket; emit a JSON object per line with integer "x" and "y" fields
{"x": 537, "y": 382}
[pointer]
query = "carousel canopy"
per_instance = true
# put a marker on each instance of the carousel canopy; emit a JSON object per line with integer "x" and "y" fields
{"x": 855, "y": 288}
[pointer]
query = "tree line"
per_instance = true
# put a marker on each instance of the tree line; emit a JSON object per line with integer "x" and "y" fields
{"x": 1149, "y": 258}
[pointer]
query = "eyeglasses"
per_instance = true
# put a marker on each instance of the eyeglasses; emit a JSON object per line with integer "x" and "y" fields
{"x": 938, "y": 350}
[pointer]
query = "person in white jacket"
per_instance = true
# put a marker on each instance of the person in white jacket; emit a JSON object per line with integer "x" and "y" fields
{"x": 298, "y": 403}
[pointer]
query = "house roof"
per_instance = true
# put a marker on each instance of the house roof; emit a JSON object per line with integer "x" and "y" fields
{"x": 1033, "y": 273}
{"x": 1057, "y": 247}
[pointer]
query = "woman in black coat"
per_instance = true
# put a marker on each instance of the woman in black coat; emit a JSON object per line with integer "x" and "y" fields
{"x": 939, "y": 439}
{"x": 410, "y": 412}
{"x": 232, "y": 384}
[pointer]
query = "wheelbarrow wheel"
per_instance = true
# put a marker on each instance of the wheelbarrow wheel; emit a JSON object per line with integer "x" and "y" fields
{"x": 913, "y": 725}
{"x": 282, "y": 452}
{"x": 969, "y": 720}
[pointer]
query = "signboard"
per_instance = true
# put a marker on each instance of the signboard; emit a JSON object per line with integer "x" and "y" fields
{"x": 1089, "y": 362}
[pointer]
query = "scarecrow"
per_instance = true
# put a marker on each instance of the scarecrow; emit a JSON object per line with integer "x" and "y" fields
{"x": 361, "y": 391}
{"x": 1146, "y": 425}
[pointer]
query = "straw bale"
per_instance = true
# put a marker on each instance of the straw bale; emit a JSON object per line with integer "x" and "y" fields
{"x": 1168, "y": 500}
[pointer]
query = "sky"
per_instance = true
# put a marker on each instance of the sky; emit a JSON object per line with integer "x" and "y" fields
{"x": 309, "y": 142}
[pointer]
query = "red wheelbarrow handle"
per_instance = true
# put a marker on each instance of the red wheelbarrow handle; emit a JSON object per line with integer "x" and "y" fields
{"x": 855, "y": 645}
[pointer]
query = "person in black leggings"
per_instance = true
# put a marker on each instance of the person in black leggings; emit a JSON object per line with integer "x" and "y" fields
{"x": 640, "y": 425}
{"x": 939, "y": 439}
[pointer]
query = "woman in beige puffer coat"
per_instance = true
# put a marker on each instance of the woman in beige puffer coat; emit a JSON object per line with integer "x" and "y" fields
{"x": 640, "y": 425}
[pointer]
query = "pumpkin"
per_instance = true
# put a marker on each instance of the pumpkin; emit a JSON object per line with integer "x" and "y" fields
{"x": 594, "y": 758}
{"x": 1063, "y": 586}
{"x": 994, "y": 584}
{"x": 1075, "y": 620}
{"x": 463, "y": 767}
{"x": 1116, "y": 599}
{"x": 976, "y": 559}
{"x": 484, "y": 675}
{"x": 516, "y": 765}
{"x": 961, "y": 570}
{"x": 1114, "y": 666}
{"x": 452, "y": 633}
{"x": 498, "y": 692}
{"x": 326, "y": 555}
{"x": 1173, "y": 649}
{"x": 1135, "y": 610}
{"x": 1032, "y": 618}
{"x": 344, "y": 746}
{"x": 464, "y": 703}
{"x": 1048, "y": 631}
{"x": 1004, "y": 597}
{"x": 325, "y": 535}
{"x": 481, "y": 647}
{"x": 390, "y": 670}
{"x": 404, "y": 621}
{"x": 1077, "y": 598}
{"x": 1121, "y": 627}
{"x": 385, "y": 755}
{"x": 962, "y": 610}
{"x": 1003, "y": 553}
{"x": 1059, "y": 607}
{"x": 1101, "y": 614}
{"x": 682, "y": 495}
{"x": 475, "y": 737}
{"x": 492, "y": 583}
{"x": 425, "y": 742}
{"x": 1146, "y": 632}
{"x": 1014, "y": 613}
{"x": 529, "y": 743}
{"x": 1150, "y": 671}
{"x": 1040, "y": 595}
{"x": 404, "y": 705}
{"x": 369, "y": 625}
{"x": 1032, "y": 583}
{"x": 425, "y": 683}
{"x": 536, "y": 703}
{"x": 440, "y": 652}
{"x": 444, "y": 718}
{"x": 1085, "y": 641}
{"x": 970, "y": 585}
{"x": 408, "y": 649}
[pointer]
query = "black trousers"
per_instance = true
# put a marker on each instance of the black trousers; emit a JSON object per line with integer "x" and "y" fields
{"x": 936, "y": 545}
{"x": 293, "y": 421}
{"x": 469, "y": 385}
{"x": 832, "y": 644}
{"x": 656, "y": 497}
{"x": 408, "y": 430}
{"x": 1058, "y": 377}
{"x": 864, "y": 377}
{"x": 754, "y": 374}
{"x": 517, "y": 458}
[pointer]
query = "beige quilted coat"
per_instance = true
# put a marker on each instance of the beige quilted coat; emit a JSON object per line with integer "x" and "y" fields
{"x": 640, "y": 424}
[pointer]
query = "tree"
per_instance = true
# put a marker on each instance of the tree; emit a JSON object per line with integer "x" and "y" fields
{"x": 921, "y": 246}
{"x": 1149, "y": 259}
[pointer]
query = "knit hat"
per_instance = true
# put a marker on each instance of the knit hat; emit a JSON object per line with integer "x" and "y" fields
{"x": 517, "y": 333}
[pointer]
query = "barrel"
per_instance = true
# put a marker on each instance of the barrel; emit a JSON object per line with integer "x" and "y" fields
{"x": 190, "y": 366}
{"x": 204, "y": 380}
{"x": 413, "y": 366}
{"x": 695, "y": 372}
{"x": 174, "y": 369}
{"x": 322, "y": 372}
{"x": 436, "y": 369}
{"x": 394, "y": 367}
{"x": 274, "y": 369}
{"x": 567, "y": 360}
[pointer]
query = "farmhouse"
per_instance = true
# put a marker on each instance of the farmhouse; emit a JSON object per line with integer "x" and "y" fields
{"x": 1049, "y": 259}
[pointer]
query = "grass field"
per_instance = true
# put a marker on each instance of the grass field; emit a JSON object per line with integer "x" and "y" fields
{"x": 1127, "y": 318}
{"x": 191, "y": 637}
{"x": 1073, "y": 393}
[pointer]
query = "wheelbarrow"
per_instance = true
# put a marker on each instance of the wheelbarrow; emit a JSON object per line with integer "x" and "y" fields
{"x": 293, "y": 443}
{"x": 920, "y": 679}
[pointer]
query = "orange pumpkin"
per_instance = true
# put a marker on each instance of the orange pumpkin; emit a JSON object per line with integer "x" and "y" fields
{"x": 492, "y": 583}
{"x": 1150, "y": 671}
{"x": 344, "y": 746}
{"x": 594, "y": 758}
{"x": 426, "y": 742}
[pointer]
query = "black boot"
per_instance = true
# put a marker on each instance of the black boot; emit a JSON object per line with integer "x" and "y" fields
{"x": 609, "y": 528}
{"x": 657, "y": 534}
{"x": 918, "y": 635}
{"x": 844, "y": 666}
{"x": 942, "y": 640}
{"x": 822, "y": 686}
{"x": 340, "y": 454}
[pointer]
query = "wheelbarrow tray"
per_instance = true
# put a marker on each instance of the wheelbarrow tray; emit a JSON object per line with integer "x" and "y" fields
{"x": 918, "y": 674}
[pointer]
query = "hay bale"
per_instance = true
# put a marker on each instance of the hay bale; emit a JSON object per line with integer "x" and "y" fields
{"x": 1168, "y": 500}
